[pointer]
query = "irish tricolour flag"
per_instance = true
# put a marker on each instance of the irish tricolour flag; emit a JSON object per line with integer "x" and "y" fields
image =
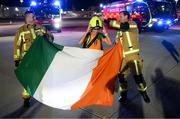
{"x": 69, "y": 77}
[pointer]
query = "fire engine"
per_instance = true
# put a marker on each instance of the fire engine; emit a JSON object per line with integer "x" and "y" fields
{"x": 157, "y": 17}
{"x": 48, "y": 14}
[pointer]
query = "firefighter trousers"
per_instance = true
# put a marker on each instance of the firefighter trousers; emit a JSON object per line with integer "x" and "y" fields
{"x": 133, "y": 65}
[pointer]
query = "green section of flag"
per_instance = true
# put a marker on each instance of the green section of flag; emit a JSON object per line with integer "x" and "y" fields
{"x": 35, "y": 63}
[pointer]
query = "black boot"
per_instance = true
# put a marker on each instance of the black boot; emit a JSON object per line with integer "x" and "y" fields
{"x": 26, "y": 102}
{"x": 142, "y": 87}
{"x": 145, "y": 96}
{"x": 123, "y": 88}
{"x": 123, "y": 96}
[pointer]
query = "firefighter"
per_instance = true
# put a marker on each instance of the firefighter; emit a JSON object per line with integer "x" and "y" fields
{"x": 93, "y": 38}
{"x": 127, "y": 35}
{"x": 24, "y": 38}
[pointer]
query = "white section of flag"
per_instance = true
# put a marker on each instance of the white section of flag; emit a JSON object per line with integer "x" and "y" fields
{"x": 67, "y": 77}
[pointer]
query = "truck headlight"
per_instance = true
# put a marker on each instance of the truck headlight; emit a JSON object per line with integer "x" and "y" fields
{"x": 57, "y": 20}
{"x": 57, "y": 25}
{"x": 150, "y": 25}
{"x": 168, "y": 22}
{"x": 154, "y": 19}
{"x": 160, "y": 22}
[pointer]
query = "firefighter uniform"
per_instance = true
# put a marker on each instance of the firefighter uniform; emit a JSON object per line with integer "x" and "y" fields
{"x": 24, "y": 38}
{"x": 132, "y": 61}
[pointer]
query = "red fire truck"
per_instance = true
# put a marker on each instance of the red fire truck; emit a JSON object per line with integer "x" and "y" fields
{"x": 48, "y": 14}
{"x": 141, "y": 13}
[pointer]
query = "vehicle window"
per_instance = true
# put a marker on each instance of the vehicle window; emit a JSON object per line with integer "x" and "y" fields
{"x": 142, "y": 10}
{"x": 161, "y": 9}
{"x": 42, "y": 12}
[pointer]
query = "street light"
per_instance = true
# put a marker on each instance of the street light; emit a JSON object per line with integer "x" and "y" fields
{"x": 33, "y": 3}
{"x": 16, "y": 9}
{"x": 101, "y": 5}
{"x": 57, "y": 3}
{"x": 21, "y": 1}
{"x": 176, "y": 1}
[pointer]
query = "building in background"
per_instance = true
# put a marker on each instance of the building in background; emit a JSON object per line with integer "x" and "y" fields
{"x": 12, "y": 12}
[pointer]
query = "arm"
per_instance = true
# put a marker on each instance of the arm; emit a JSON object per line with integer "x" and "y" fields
{"x": 82, "y": 39}
{"x": 17, "y": 48}
{"x": 114, "y": 24}
{"x": 120, "y": 26}
{"x": 50, "y": 36}
{"x": 41, "y": 30}
{"x": 106, "y": 39}
{"x": 84, "y": 36}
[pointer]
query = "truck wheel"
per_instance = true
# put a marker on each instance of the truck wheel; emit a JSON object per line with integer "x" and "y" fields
{"x": 59, "y": 30}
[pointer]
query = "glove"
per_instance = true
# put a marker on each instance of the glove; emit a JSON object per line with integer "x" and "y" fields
{"x": 49, "y": 37}
{"x": 16, "y": 63}
{"x": 124, "y": 26}
{"x": 39, "y": 33}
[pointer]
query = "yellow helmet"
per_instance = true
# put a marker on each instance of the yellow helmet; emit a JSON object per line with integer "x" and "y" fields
{"x": 95, "y": 22}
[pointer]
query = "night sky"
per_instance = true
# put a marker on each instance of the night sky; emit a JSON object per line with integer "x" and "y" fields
{"x": 77, "y": 4}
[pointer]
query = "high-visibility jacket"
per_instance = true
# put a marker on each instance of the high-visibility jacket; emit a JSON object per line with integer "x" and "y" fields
{"x": 24, "y": 38}
{"x": 94, "y": 41}
{"x": 129, "y": 39}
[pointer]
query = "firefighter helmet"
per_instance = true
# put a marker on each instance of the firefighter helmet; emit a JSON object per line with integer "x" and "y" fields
{"x": 95, "y": 22}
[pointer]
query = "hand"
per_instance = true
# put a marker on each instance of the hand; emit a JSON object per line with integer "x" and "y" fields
{"x": 16, "y": 63}
{"x": 49, "y": 37}
{"x": 116, "y": 41}
{"x": 40, "y": 33}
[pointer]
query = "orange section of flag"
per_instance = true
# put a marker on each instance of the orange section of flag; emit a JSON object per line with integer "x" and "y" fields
{"x": 101, "y": 86}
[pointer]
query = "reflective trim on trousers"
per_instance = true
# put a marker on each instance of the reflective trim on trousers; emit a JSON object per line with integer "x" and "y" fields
{"x": 141, "y": 87}
{"x": 136, "y": 67}
{"x": 131, "y": 52}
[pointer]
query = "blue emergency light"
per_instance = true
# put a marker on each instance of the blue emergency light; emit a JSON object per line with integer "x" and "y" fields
{"x": 168, "y": 22}
{"x": 160, "y": 22}
{"x": 164, "y": 22}
{"x": 57, "y": 3}
{"x": 139, "y": 0}
{"x": 33, "y": 3}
